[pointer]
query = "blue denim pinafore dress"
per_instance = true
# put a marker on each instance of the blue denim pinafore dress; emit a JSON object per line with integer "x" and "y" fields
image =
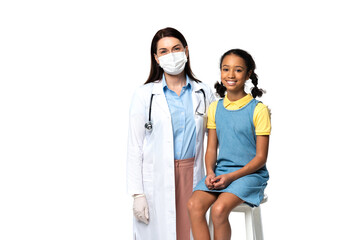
{"x": 237, "y": 146}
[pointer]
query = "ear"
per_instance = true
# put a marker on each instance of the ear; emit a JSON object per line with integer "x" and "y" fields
{"x": 248, "y": 75}
{"x": 156, "y": 58}
{"x": 187, "y": 51}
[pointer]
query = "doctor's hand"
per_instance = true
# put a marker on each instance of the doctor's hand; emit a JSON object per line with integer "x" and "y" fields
{"x": 222, "y": 181}
{"x": 141, "y": 208}
{"x": 209, "y": 181}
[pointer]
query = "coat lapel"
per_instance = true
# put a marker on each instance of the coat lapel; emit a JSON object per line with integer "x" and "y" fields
{"x": 160, "y": 101}
{"x": 196, "y": 97}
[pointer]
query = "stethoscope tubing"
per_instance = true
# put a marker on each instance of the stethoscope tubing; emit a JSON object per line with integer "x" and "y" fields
{"x": 148, "y": 125}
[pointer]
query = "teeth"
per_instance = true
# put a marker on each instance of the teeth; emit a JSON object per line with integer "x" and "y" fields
{"x": 231, "y": 82}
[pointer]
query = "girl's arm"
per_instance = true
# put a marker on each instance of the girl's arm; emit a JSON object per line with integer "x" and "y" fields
{"x": 210, "y": 157}
{"x": 262, "y": 146}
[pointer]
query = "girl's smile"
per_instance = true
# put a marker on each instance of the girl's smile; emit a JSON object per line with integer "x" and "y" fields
{"x": 230, "y": 82}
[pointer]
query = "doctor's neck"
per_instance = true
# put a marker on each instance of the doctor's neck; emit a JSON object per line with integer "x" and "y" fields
{"x": 175, "y": 82}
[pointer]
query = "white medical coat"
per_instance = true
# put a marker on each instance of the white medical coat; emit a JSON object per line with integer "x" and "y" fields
{"x": 150, "y": 160}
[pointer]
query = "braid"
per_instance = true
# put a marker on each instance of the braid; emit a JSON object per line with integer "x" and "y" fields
{"x": 220, "y": 89}
{"x": 255, "y": 91}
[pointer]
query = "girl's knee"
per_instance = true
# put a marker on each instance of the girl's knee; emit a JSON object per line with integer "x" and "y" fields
{"x": 191, "y": 203}
{"x": 195, "y": 206}
{"x": 219, "y": 213}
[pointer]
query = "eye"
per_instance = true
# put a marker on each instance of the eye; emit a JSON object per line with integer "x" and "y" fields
{"x": 239, "y": 70}
{"x": 225, "y": 69}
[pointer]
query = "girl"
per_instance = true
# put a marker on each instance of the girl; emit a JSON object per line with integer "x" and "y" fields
{"x": 165, "y": 144}
{"x": 240, "y": 125}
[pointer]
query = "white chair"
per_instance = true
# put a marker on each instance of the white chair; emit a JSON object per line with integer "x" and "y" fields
{"x": 252, "y": 221}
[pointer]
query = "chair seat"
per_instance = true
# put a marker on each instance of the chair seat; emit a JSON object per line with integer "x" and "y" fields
{"x": 241, "y": 207}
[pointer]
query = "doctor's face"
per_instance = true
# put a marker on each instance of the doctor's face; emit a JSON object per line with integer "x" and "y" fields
{"x": 169, "y": 45}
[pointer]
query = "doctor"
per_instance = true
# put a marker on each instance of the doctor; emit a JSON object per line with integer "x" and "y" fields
{"x": 168, "y": 116}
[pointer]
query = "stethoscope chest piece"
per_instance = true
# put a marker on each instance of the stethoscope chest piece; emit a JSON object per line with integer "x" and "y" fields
{"x": 148, "y": 126}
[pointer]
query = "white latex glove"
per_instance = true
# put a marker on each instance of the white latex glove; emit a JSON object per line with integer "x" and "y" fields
{"x": 141, "y": 208}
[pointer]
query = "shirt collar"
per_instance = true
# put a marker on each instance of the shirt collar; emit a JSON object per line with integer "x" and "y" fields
{"x": 239, "y": 103}
{"x": 165, "y": 86}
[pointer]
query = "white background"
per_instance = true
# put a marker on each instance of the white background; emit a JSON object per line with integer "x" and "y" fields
{"x": 68, "y": 70}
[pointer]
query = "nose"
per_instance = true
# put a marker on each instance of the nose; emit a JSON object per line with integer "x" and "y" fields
{"x": 231, "y": 74}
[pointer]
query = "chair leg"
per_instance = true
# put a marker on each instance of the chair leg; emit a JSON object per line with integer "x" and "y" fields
{"x": 249, "y": 224}
{"x": 258, "y": 224}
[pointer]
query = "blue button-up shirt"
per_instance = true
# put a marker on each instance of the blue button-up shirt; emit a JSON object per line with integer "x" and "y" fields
{"x": 182, "y": 119}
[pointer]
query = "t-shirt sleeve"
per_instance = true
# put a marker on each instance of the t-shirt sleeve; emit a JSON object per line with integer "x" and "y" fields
{"x": 262, "y": 121}
{"x": 211, "y": 115}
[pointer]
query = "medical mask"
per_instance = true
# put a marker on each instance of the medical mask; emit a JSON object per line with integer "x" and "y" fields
{"x": 173, "y": 63}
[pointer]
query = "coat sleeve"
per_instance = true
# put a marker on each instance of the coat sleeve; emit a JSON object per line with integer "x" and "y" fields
{"x": 210, "y": 95}
{"x": 136, "y": 135}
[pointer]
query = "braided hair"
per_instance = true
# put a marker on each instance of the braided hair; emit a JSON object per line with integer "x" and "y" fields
{"x": 250, "y": 65}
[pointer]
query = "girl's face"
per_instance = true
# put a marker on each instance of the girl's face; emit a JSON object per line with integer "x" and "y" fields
{"x": 234, "y": 73}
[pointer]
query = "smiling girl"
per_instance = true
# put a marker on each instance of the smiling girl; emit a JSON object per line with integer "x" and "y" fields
{"x": 240, "y": 126}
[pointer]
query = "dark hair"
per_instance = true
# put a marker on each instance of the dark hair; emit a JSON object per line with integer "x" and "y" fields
{"x": 156, "y": 71}
{"x": 250, "y": 66}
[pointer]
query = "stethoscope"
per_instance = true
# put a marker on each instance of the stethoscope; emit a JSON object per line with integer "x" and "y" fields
{"x": 148, "y": 125}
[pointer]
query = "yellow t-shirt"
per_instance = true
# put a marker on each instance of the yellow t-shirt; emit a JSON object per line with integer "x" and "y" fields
{"x": 261, "y": 114}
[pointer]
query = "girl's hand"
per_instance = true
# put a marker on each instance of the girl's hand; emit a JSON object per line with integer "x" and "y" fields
{"x": 222, "y": 181}
{"x": 208, "y": 181}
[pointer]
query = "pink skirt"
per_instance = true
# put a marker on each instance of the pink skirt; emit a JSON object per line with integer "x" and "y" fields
{"x": 184, "y": 170}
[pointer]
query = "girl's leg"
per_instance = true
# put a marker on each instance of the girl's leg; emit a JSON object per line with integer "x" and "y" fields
{"x": 220, "y": 212}
{"x": 198, "y": 205}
